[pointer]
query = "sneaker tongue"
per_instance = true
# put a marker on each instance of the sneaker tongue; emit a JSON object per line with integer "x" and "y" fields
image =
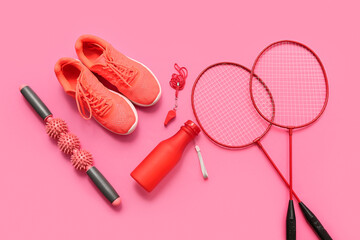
{"x": 101, "y": 60}
{"x": 87, "y": 80}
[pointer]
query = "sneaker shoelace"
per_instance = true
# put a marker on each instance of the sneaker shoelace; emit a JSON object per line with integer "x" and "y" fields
{"x": 126, "y": 75}
{"x": 98, "y": 104}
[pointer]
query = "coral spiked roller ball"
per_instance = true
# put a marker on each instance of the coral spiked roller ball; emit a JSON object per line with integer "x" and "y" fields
{"x": 55, "y": 126}
{"x": 81, "y": 159}
{"x": 68, "y": 142}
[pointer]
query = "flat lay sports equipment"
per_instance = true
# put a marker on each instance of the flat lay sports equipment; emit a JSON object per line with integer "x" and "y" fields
{"x": 69, "y": 144}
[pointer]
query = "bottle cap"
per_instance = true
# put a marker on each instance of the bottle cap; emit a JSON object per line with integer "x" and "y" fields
{"x": 192, "y": 126}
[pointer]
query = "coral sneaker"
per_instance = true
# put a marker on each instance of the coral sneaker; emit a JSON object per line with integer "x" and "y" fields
{"x": 131, "y": 78}
{"x": 112, "y": 110}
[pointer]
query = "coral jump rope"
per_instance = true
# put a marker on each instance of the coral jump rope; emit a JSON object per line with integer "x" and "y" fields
{"x": 69, "y": 143}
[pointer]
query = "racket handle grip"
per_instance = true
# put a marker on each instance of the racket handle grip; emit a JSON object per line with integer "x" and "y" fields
{"x": 35, "y": 102}
{"x": 291, "y": 222}
{"x": 104, "y": 186}
{"x": 314, "y": 222}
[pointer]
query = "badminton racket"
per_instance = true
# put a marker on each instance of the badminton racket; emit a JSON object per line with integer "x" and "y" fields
{"x": 223, "y": 109}
{"x": 297, "y": 81}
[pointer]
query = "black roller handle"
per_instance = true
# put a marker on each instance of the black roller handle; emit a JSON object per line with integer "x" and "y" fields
{"x": 291, "y": 222}
{"x": 103, "y": 185}
{"x": 35, "y": 102}
{"x": 314, "y": 222}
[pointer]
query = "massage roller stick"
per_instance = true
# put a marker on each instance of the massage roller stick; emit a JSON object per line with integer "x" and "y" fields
{"x": 69, "y": 143}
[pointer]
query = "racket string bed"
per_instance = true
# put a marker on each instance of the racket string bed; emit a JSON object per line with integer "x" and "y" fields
{"x": 224, "y": 108}
{"x": 296, "y": 79}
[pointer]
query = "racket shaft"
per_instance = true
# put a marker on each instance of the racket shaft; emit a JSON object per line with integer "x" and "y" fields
{"x": 277, "y": 169}
{"x": 290, "y": 163}
{"x": 310, "y": 217}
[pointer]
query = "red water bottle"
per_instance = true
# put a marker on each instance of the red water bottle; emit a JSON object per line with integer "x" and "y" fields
{"x": 164, "y": 157}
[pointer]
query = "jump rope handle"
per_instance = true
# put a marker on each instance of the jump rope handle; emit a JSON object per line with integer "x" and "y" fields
{"x": 291, "y": 222}
{"x": 314, "y": 222}
{"x": 98, "y": 179}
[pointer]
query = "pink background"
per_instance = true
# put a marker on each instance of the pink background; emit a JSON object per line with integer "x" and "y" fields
{"x": 43, "y": 197}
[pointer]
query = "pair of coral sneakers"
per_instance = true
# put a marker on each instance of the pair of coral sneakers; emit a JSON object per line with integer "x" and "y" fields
{"x": 101, "y": 64}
